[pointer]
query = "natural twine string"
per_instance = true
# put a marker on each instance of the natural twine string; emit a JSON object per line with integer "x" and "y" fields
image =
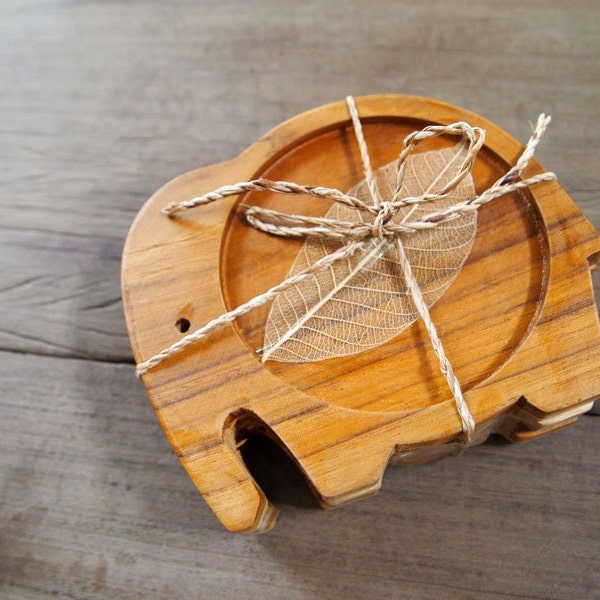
{"x": 475, "y": 138}
{"x": 358, "y": 234}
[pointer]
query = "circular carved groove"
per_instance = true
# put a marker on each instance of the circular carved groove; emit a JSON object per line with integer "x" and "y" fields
{"x": 489, "y": 307}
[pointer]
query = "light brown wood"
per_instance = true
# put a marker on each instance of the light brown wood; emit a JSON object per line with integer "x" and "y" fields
{"x": 519, "y": 324}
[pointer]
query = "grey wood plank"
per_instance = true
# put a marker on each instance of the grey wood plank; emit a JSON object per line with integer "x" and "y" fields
{"x": 94, "y": 504}
{"x": 104, "y": 102}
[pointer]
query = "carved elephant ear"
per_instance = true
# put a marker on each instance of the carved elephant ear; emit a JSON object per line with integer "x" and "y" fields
{"x": 519, "y": 323}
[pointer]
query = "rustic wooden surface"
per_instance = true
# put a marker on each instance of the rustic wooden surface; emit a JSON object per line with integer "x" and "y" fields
{"x": 100, "y": 104}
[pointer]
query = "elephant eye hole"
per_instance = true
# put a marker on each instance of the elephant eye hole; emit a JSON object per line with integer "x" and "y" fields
{"x": 182, "y": 325}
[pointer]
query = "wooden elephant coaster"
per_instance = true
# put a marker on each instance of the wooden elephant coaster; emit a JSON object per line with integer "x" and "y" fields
{"x": 507, "y": 340}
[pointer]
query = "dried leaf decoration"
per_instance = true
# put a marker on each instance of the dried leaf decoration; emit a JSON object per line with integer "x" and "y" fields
{"x": 362, "y": 302}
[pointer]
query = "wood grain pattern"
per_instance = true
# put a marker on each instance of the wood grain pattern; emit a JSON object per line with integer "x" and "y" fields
{"x": 526, "y": 286}
{"x": 102, "y": 102}
{"x": 102, "y": 508}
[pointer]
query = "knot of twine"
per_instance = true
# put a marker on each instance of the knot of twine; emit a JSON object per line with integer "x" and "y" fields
{"x": 383, "y": 217}
{"x": 355, "y": 235}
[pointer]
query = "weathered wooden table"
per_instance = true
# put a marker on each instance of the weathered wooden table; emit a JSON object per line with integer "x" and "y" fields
{"x": 100, "y": 104}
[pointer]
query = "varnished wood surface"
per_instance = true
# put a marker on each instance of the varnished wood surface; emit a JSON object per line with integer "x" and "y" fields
{"x": 100, "y": 104}
{"x": 530, "y": 313}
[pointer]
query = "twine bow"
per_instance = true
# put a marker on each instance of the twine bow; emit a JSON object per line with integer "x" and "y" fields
{"x": 355, "y": 235}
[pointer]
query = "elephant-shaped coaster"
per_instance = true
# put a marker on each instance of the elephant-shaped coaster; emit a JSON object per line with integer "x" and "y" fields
{"x": 442, "y": 318}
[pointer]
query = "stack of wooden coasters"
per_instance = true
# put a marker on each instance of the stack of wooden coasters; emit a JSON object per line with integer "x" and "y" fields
{"x": 517, "y": 320}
